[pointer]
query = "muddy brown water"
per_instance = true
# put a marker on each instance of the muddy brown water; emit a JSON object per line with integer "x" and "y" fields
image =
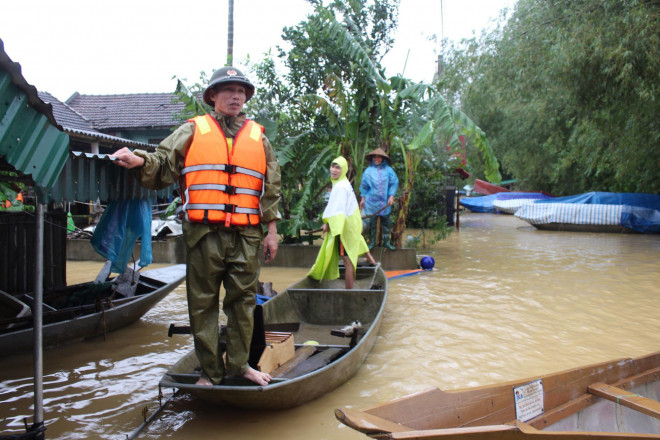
{"x": 504, "y": 302}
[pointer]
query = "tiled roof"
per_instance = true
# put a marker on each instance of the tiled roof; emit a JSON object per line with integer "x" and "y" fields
{"x": 65, "y": 115}
{"x": 140, "y": 110}
{"x": 79, "y": 127}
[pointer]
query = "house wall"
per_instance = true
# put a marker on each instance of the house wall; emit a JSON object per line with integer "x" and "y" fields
{"x": 18, "y": 253}
{"x": 147, "y": 136}
{"x": 172, "y": 251}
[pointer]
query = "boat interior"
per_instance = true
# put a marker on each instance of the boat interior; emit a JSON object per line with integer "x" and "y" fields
{"x": 309, "y": 325}
{"x": 620, "y": 396}
{"x": 75, "y": 300}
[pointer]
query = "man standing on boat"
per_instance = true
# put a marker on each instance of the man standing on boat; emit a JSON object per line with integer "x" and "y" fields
{"x": 378, "y": 187}
{"x": 230, "y": 184}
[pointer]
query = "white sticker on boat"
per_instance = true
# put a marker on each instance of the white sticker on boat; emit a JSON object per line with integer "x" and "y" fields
{"x": 529, "y": 400}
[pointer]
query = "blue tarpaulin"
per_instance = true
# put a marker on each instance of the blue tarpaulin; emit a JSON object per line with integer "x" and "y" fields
{"x": 480, "y": 204}
{"x": 641, "y": 219}
{"x": 486, "y": 203}
{"x": 122, "y": 223}
{"x": 642, "y": 200}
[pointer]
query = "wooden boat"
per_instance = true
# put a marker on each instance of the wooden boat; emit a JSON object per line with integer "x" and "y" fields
{"x": 486, "y": 188}
{"x": 323, "y": 312}
{"x": 617, "y": 399}
{"x": 84, "y": 311}
{"x": 574, "y": 217}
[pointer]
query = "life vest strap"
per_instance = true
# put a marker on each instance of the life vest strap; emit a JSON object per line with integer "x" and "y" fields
{"x": 229, "y": 169}
{"x": 229, "y": 189}
{"x": 226, "y": 207}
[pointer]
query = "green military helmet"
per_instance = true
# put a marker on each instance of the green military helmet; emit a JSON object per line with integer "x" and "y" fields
{"x": 226, "y": 75}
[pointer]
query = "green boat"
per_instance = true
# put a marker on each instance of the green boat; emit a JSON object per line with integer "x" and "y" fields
{"x": 332, "y": 330}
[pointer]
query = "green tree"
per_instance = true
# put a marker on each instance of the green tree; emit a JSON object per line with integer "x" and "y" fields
{"x": 339, "y": 97}
{"x": 567, "y": 90}
{"x": 333, "y": 98}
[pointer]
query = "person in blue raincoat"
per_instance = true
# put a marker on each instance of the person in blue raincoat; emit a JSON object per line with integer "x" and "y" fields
{"x": 377, "y": 189}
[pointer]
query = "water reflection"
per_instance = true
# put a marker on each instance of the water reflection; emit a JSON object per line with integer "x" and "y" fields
{"x": 504, "y": 301}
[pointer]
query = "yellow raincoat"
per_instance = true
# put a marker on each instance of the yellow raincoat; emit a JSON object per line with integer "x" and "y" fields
{"x": 342, "y": 214}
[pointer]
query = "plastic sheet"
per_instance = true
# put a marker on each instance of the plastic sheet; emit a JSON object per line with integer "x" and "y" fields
{"x": 487, "y": 203}
{"x": 642, "y": 200}
{"x": 640, "y": 211}
{"x": 122, "y": 223}
{"x": 639, "y": 219}
{"x": 480, "y": 204}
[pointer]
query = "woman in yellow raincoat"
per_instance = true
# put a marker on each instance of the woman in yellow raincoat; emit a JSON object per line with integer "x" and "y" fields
{"x": 343, "y": 224}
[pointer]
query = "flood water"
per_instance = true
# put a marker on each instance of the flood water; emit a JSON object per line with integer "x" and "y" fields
{"x": 504, "y": 302}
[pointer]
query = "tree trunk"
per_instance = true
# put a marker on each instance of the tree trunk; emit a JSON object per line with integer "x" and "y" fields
{"x": 402, "y": 215}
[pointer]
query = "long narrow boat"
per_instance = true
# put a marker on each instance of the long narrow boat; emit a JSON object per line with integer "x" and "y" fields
{"x": 616, "y": 399}
{"x": 595, "y": 212}
{"x": 87, "y": 310}
{"x": 319, "y": 317}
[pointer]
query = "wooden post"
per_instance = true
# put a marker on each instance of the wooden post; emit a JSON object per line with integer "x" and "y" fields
{"x": 38, "y": 315}
{"x": 458, "y": 196}
{"x": 230, "y": 34}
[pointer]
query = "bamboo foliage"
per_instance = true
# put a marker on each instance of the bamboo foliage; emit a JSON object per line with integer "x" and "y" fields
{"x": 567, "y": 91}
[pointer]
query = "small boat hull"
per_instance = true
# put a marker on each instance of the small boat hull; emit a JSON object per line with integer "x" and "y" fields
{"x": 318, "y": 308}
{"x": 612, "y": 399}
{"x": 595, "y": 212}
{"x": 153, "y": 286}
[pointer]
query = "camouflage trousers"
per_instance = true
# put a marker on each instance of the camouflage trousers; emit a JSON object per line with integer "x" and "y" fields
{"x": 227, "y": 258}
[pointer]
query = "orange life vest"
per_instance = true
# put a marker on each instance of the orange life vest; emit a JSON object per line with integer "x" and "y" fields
{"x": 223, "y": 187}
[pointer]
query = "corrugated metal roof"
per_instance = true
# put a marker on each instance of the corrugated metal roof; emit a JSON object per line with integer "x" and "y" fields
{"x": 88, "y": 176}
{"x": 31, "y": 141}
{"x": 113, "y": 140}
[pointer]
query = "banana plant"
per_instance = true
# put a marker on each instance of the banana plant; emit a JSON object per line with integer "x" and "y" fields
{"x": 335, "y": 99}
{"x": 413, "y": 117}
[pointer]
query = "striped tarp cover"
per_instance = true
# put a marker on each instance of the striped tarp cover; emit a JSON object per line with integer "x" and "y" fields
{"x": 570, "y": 213}
{"x": 512, "y": 205}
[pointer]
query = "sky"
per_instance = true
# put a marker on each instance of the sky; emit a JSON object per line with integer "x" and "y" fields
{"x": 137, "y": 46}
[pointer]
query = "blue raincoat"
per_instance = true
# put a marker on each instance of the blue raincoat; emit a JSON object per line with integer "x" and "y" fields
{"x": 379, "y": 182}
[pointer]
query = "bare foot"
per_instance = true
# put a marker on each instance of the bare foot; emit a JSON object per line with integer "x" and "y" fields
{"x": 204, "y": 382}
{"x": 257, "y": 376}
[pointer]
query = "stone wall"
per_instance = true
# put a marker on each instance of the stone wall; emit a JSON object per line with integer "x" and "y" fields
{"x": 172, "y": 251}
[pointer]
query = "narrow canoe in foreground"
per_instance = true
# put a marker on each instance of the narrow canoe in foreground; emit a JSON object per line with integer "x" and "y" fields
{"x": 616, "y": 399}
{"x": 315, "y": 311}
